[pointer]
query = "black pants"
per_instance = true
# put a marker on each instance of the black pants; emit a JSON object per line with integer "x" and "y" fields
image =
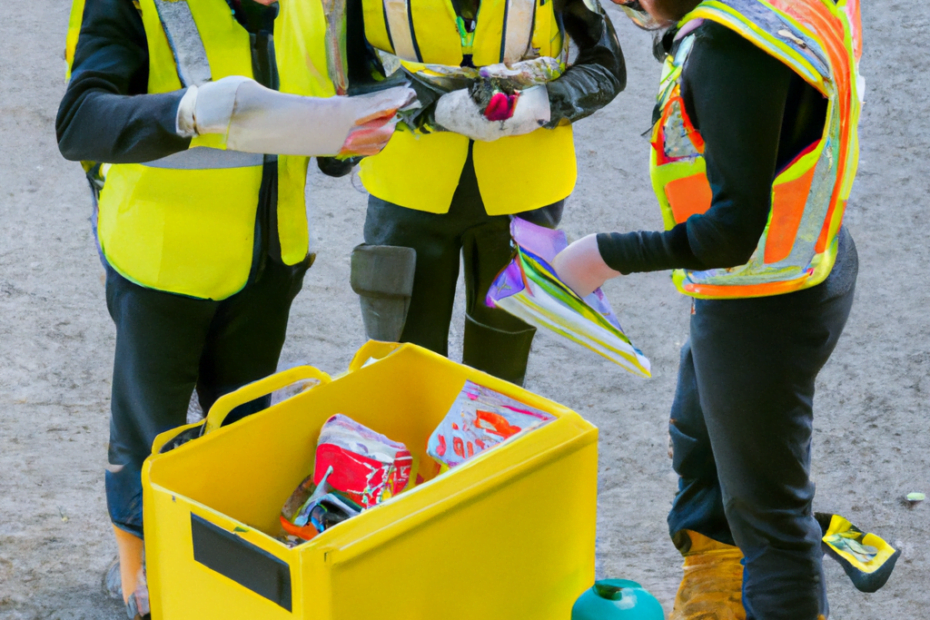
{"x": 168, "y": 345}
{"x": 741, "y": 435}
{"x": 495, "y": 342}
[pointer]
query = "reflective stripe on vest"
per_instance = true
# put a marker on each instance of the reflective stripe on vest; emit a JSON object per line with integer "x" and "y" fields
{"x": 422, "y": 171}
{"x": 186, "y": 223}
{"x": 206, "y": 158}
{"x": 798, "y": 246}
{"x": 184, "y": 39}
{"x": 429, "y": 31}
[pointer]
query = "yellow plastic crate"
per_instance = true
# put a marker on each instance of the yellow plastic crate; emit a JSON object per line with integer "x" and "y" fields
{"x": 508, "y": 535}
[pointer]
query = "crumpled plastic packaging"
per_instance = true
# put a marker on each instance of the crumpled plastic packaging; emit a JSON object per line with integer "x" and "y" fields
{"x": 355, "y": 468}
{"x": 478, "y": 420}
{"x": 368, "y": 468}
{"x": 313, "y": 509}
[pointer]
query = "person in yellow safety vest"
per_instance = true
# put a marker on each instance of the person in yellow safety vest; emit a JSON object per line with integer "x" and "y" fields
{"x": 450, "y": 191}
{"x": 754, "y": 152}
{"x": 202, "y": 115}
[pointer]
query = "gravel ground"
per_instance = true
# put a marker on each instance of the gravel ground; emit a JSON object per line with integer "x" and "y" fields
{"x": 871, "y": 443}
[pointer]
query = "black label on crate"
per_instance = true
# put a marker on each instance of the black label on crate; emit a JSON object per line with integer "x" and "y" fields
{"x": 241, "y": 561}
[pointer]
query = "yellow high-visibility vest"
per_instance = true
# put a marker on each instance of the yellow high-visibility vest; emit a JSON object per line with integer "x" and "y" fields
{"x": 820, "y": 41}
{"x": 186, "y": 223}
{"x": 420, "y": 171}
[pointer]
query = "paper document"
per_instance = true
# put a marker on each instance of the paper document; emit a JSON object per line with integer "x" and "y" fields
{"x": 529, "y": 289}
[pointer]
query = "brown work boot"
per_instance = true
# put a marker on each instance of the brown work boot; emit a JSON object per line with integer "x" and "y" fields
{"x": 712, "y": 584}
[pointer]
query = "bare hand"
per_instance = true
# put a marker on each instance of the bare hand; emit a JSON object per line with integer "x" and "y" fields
{"x": 581, "y": 267}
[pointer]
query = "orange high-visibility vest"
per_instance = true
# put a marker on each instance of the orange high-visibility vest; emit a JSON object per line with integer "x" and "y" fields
{"x": 820, "y": 41}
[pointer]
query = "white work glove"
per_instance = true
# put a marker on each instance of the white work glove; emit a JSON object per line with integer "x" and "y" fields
{"x": 458, "y": 112}
{"x": 581, "y": 267}
{"x": 255, "y": 119}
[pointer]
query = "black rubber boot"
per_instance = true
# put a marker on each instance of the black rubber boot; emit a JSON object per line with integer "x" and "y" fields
{"x": 503, "y": 354}
{"x": 382, "y": 276}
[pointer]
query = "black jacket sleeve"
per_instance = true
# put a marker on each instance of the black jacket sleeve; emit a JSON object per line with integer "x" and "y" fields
{"x": 736, "y": 97}
{"x": 105, "y": 114}
{"x": 597, "y": 75}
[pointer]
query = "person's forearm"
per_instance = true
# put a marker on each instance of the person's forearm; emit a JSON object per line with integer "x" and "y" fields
{"x": 105, "y": 114}
{"x": 597, "y": 75}
{"x": 648, "y": 250}
{"x": 96, "y": 125}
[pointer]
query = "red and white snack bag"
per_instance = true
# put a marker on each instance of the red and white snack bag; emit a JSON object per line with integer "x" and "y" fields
{"x": 367, "y": 466}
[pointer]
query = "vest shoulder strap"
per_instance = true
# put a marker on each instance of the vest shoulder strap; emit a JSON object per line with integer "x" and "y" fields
{"x": 781, "y": 32}
{"x": 400, "y": 30}
{"x": 519, "y": 16}
{"x": 185, "y": 41}
{"x": 512, "y": 35}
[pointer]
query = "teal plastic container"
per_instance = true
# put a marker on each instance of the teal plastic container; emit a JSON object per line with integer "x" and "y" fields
{"x": 617, "y": 599}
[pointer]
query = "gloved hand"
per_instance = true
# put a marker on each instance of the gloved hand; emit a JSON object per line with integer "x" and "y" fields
{"x": 458, "y": 112}
{"x": 581, "y": 267}
{"x": 255, "y": 119}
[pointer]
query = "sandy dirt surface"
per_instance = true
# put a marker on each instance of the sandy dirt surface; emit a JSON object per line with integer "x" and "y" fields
{"x": 871, "y": 444}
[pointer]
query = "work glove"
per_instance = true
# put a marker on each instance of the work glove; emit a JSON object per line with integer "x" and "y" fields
{"x": 504, "y": 116}
{"x": 255, "y": 119}
{"x": 581, "y": 267}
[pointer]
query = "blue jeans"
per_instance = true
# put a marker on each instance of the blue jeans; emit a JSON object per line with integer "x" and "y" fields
{"x": 741, "y": 426}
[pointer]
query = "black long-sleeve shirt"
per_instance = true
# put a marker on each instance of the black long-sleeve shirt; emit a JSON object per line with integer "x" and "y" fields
{"x": 597, "y": 75}
{"x": 755, "y": 115}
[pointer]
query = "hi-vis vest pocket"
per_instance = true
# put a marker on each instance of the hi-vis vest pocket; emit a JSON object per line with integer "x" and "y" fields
{"x": 162, "y": 231}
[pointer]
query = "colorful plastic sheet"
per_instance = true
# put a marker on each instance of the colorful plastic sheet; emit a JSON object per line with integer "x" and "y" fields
{"x": 529, "y": 289}
{"x": 478, "y": 420}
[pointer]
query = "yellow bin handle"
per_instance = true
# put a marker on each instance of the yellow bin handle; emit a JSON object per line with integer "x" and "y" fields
{"x": 247, "y": 393}
{"x": 372, "y": 349}
{"x": 257, "y": 389}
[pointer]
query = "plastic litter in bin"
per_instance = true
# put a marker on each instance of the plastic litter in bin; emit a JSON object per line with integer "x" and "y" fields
{"x": 295, "y": 514}
{"x": 356, "y": 468}
{"x": 368, "y": 468}
{"x": 478, "y": 420}
{"x": 323, "y": 508}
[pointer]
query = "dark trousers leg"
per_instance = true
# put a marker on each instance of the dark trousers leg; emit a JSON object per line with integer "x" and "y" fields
{"x": 246, "y": 337}
{"x": 159, "y": 339}
{"x": 168, "y": 345}
{"x": 437, "y": 245}
{"x": 754, "y": 364}
{"x": 698, "y": 506}
{"x": 495, "y": 341}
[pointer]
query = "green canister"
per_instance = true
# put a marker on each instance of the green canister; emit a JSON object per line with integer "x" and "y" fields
{"x": 617, "y": 599}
